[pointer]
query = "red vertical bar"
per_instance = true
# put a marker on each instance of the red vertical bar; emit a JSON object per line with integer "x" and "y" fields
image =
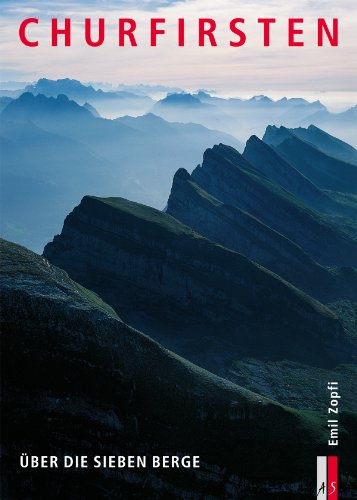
{"x": 332, "y": 478}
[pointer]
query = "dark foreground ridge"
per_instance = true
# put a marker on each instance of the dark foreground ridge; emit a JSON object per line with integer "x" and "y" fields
{"x": 81, "y": 382}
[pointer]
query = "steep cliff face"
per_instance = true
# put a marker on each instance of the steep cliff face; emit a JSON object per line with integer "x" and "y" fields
{"x": 81, "y": 382}
{"x": 327, "y": 143}
{"x": 325, "y": 171}
{"x": 322, "y": 169}
{"x": 226, "y": 175}
{"x": 339, "y": 208}
{"x": 276, "y": 169}
{"x": 276, "y": 135}
{"x": 239, "y": 231}
{"x": 208, "y": 303}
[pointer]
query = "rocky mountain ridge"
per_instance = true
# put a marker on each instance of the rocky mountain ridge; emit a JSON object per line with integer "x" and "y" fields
{"x": 177, "y": 281}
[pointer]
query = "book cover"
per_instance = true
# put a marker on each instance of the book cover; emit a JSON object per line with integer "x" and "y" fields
{"x": 178, "y": 249}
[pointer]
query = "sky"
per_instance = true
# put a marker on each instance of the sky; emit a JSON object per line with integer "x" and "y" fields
{"x": 328, "y": 73}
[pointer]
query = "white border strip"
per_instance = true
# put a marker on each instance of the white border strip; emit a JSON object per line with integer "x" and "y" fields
{"x": 321, "y": 477}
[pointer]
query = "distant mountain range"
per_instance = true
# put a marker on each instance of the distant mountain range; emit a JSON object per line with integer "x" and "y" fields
{"x": 112, "y": 104}
{"x": 238, "y": 117}
{"x": 182, "y": 100}
{"x": 150, "y": 90}
{"x": 187, "y": 108}
{"x": 342, "y": 124}
{"x": 244, "y": 117}
{"x": 42, "y": 110}
{"x": 54, "y": 149}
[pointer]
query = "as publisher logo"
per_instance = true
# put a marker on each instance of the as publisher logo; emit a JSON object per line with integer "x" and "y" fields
{"x": 327, "y": 478}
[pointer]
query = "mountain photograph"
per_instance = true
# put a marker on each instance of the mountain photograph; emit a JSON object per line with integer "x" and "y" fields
{"x": 171, "y": 246}
{"x": 178, "y": 250}
{"x": 237, "y": 277}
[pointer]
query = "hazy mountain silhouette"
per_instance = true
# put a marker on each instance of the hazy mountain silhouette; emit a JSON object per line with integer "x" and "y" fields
{"x": 43, "y": 174}
{"x": 344, "y": 124}
{"x": 325, "y": 117}
{"x": 4, "y": 101}
{"x": 111, "y": 104}
{"x": 41, "y": 110}
{"x": 181, "y": 100}
{"x": 186, "y": 108}
{"x": 91, "y": 109}
{"x": 327, "y": 143}
{"x": 13, "y": 94}
{"x": 150, "y": 90}
{"x": 240, "y": 117}
{"x": 55, "y": 151}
